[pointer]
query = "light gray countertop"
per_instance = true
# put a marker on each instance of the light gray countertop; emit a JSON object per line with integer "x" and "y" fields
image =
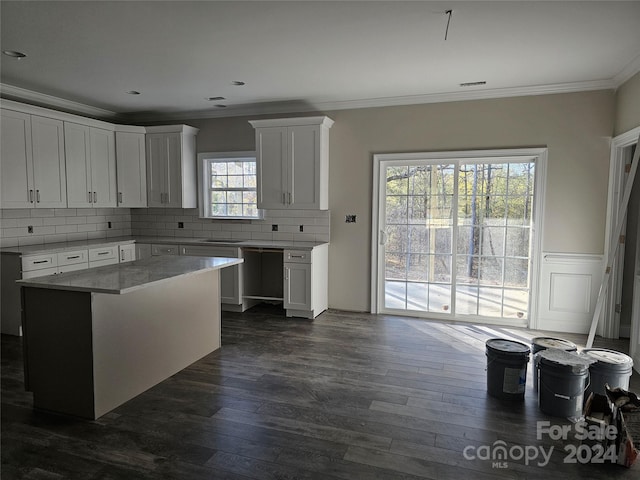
{"x": 66, "y": 246}
{"x": 126, "y": 277}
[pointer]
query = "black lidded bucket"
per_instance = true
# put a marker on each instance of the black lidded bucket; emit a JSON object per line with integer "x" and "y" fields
{"x": 506, "y": 368}
{"x": 563, "y": 380}
{"x": 610, "y": 367}
{"x": 543, "y": 343}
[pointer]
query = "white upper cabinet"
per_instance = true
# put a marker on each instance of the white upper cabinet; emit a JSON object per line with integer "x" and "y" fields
{"x": 91, "y": 166}
{"x": 131, "y": 168}
{"x": 293, "y": 162}
{"x": 171, "y": 166}
{"x": 32, "y": 172}
{"x": 16, "y": 168}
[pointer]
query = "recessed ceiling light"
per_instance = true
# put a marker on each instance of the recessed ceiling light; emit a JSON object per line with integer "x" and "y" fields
{"x": 133, "y": 92}
{"x": 237, "y": 83}
{"x": 472, "y": 84}
{"x": 14, "y": 54}
{"x": 213, "y": 99}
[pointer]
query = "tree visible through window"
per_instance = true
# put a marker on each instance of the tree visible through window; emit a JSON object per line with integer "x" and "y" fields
{"x": 458, "y": 237}
{"x": 229, "y": 187}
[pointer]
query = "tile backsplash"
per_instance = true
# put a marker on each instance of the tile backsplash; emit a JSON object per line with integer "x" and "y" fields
{"x": 164, "y": 222}
{"x": 52, "y": 225}
{"x": 70, "y": 224}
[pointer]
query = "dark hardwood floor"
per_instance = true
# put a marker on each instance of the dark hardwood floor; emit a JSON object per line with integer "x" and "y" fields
{"x": 346, "y": 396}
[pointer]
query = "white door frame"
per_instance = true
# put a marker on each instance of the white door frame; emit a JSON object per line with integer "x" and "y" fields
{"x": 609, "y": 327}
{"x": 634, "y": 342}
{"x": 377, "y": 262}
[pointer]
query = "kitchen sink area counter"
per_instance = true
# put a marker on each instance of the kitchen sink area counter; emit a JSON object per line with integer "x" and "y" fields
{"x": 95, "y": 339}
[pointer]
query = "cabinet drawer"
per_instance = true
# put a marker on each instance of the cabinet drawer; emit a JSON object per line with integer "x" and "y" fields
{"x": 297, "y": 256}
{"x": 40, "y": 273}
{"x": 103, "y": 253}
{"x": 38, "y": 262}
{"x": 73, "y": 267}
{"x": 72, "y": 258}
{"x": 165, "y": 250}
{"x": 198, "y": 250}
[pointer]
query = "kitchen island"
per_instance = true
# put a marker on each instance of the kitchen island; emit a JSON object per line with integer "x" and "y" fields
{"x": 96, "y": 338}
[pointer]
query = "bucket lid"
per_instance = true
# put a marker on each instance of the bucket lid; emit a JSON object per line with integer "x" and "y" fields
{"x": 608, "y": 356}
{"x": 554, "y": 357}
{"x": 509, "y": 347}
{"x": 551, "y": 342}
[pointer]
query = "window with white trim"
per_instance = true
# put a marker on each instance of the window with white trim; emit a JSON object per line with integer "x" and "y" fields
{"x": 228, "y": 185}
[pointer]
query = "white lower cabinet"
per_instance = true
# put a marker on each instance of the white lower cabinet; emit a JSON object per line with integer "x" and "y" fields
{"x": 14, "y": 267}
{"x": 306, "y": 281}
{"x": 297, "y": 286}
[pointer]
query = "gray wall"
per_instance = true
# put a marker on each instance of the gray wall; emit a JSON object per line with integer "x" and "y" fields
{"x": 575, "y": 127}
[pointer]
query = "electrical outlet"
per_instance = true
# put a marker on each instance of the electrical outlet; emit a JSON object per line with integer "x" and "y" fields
{"x": 350, "y": 219}
{"x": 30, "y": 229}
{"x": 302, "y": 228}
{"x": 274, "y": 228}
{"x": 180, "y": 224}
{"x": 108, "y": 224}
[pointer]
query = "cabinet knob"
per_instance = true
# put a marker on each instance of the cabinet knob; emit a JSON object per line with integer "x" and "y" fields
{"x": 30, "y": 196}
{"x": 38, "y": 196}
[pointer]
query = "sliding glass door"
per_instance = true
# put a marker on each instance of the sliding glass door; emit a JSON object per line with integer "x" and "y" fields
{"x": 455, "y": 236}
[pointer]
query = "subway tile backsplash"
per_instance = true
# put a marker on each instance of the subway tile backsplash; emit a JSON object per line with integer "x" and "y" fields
{"x": 52, "y": 225}
{"x": 163, "y": 222}
{"x": 70, "y": 224}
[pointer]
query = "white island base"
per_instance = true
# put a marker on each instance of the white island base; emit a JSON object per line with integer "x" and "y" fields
{"x": 87, "y": 353}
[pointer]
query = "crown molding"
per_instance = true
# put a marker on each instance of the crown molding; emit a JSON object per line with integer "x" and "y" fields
{"x": 627, "y": 72}
{"x": 305, "y": 107}
{"x": 48, "y": 101}
{"x": 275, "y": 108}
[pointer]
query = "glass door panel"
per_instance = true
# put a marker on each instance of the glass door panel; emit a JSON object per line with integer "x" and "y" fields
{"x": 458, "y": 237}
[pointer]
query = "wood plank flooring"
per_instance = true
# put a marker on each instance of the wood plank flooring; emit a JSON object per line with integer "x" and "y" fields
{"x": 346, "y": 396}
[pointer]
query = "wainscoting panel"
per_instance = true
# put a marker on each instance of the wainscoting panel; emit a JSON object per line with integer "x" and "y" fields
{"x": 569, "y": 285}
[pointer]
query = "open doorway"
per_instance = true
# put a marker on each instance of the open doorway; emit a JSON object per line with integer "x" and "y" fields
{"x": 622, "y": 310}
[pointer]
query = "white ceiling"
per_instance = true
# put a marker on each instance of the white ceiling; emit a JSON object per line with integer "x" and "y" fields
{"x": 306, "y": 55}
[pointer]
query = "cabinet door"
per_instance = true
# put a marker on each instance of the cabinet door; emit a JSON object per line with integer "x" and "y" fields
{"x": 173, "y": 187}
{"x": 156, "y": 169}
{"x": 16, "y": 167}
{"x": 103, "y": 167}
{"x": 131, "y": 170}
{"x": 78, "y": 154}
{"x": 297, "y": 286}
{"x": 304, "y": 166}
{"x": 271, "y": 163}
{"x": 49, "y": 171}
{"x": 127, "y": 252}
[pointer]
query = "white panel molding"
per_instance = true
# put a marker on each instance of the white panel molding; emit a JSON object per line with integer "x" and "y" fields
{"x": 568, "y": 291}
